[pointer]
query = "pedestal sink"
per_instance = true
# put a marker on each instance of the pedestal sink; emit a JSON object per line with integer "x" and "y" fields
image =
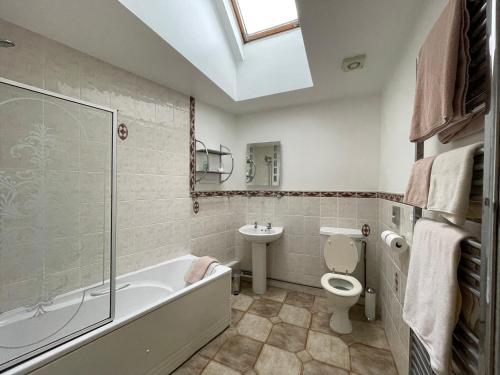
{"x": 260, "y": 236}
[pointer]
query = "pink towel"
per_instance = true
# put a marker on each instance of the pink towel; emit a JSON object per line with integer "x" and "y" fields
{"x": 198, "y": 269}
{"x": 417, "y": 191}
{"x": 442, "y": 75}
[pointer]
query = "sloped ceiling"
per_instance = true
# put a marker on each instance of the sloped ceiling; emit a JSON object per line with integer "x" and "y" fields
{"x": 331, "y": 29}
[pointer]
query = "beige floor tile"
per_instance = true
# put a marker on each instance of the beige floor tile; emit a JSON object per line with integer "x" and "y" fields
{"x": 368, "y": 334}
{"x": 214, "y": 368}
{"x": 321, "y": 322}
{"x": 236, "y": 315}
{"x": 239, "y": 353}
{"x": 370, "y": 361}
{"x": 275, "y": 320}
{"x": 288, "y": 337}
{"x": 328, "y": 349}
{"x": 193, "y": 366}
{"x": 246, "y": 288}
{"x": 241, "y": 302}
{"x": 265, "y": 307}
{"x": 320, "y": 305}
{"x": 275, "y": 294}
{"x": 317, "y": 368}
{"x": 255, "y": 327}
{"x": 300, "y": 299}
{"x": 213, "y": 346}
{"x": 295, "y": 315}
{"x": 274, "y": 361}
{"x": 304, "y": 356}
{"x": 357, "y": 312}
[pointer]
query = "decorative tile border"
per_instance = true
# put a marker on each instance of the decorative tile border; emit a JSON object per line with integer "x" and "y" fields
{"x": 394, "y": 197}
{"x": 279, "y": 194}
{"x": 192, "y": 146}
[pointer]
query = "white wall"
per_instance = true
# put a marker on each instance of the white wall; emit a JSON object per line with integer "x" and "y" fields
{"x": 396, "y": 152}
{"x": 325, "y": 146}
{"x": 215, "y": 127}
{"x": 273, "y": 65}
{"x": 195, "y": 32}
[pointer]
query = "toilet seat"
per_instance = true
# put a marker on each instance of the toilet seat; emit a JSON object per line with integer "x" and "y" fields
{"x": 328, "y": 283}
{"x": 340, "y": 253}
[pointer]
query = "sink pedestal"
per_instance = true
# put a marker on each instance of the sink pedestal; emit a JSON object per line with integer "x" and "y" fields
{"x": 259, "y": 268}
{"x": 260, "y": 236}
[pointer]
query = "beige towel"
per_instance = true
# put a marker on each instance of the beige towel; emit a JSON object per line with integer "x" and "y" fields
{"x": 198, "y": 269}
{"x": 417, "y": 191}
{"x": 442, "y": 74}
{"x": 451, "y": 179}
{"x": 432, "y": 299}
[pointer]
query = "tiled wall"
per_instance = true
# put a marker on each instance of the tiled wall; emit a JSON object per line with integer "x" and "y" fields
{"x": 393, "y": 270}
{"x": 297, "y": 257}
{"x": 155, "y": 218}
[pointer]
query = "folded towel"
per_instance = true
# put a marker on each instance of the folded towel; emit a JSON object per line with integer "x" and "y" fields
{"x": 432, "y": 300}
{"x": 473, "y": 123}
{"x": 442, "y": 74}
{"x": 451, "y": 179}
{"x": 417, "y": 191}
{"x": 199, "y": 268}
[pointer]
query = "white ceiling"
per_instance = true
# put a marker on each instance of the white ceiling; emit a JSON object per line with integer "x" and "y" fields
{"x": 331, "y": 29}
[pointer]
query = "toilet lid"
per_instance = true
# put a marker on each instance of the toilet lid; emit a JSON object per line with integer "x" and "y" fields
{"x": 341, "y": 253}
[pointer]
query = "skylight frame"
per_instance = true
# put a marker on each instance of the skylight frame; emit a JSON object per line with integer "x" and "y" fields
{"x": 264, "y": 33}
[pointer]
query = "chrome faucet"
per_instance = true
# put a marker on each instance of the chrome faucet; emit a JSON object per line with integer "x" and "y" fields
{"x": 255, "y": 225}
{"x": 269, "y": 226}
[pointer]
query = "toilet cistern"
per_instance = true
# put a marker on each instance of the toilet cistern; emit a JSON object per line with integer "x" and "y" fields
{"x": 260, "y": 236}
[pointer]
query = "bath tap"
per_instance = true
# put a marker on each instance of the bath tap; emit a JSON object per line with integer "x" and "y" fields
{"x": 269, "y": 226}
{"x": 255, "y": 225}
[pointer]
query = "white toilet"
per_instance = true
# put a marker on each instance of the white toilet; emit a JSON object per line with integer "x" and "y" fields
{"x": 341, "y": 253}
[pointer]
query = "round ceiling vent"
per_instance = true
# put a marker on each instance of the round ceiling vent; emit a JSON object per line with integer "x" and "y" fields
{"x": 353, "y": 63}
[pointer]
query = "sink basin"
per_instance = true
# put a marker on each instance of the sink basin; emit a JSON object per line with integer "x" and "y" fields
{"x": 260, "y": 234}
{"x": 259, "y": 237}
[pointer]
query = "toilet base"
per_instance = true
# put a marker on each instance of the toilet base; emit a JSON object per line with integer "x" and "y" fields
{"x": 340, "y": 322}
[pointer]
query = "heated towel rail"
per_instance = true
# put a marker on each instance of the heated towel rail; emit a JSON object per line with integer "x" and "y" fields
{"x": 465, "y": 344}
{"x": 467, "y": 349}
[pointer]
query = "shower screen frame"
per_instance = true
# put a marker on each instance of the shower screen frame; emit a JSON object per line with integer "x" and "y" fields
{"x": 112, "y": 249}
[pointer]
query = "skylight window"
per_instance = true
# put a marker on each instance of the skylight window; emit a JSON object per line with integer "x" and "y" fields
{"x": 261, "y": 18}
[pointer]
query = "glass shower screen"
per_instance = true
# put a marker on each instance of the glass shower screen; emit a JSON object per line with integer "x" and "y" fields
{"x": 57, "y": 158}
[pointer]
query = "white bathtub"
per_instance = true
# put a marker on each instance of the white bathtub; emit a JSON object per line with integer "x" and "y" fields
{"x": 159, "y": 323}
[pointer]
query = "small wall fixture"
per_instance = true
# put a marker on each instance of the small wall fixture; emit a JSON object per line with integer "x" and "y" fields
{"x": 353, "y": 63}
{"x": 5, "y": 43}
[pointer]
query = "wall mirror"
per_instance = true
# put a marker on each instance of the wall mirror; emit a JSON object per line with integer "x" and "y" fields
{"x": 263, "y": 164}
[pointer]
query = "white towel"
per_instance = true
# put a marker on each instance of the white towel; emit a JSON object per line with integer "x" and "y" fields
{"x": 432, "y": 300}
{"x": 451, "y": 179}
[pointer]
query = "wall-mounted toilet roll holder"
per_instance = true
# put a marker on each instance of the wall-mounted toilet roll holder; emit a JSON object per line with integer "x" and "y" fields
{"x": 394, "y": 241}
